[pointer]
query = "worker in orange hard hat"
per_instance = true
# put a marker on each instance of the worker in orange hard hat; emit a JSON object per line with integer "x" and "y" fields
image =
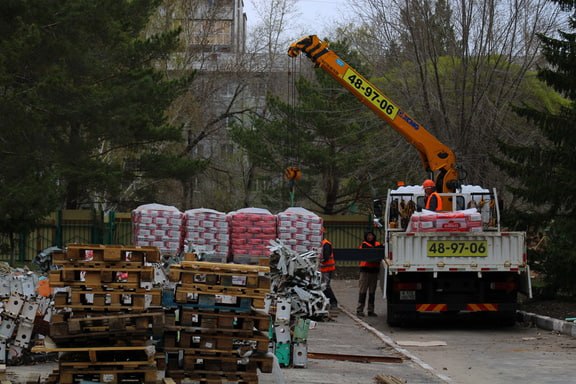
{"x": 327, "y": 268}
{"x": 433, "y": 199}
{"x": 368, "y": 281}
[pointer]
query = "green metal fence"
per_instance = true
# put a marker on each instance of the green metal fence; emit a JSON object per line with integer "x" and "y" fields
{"x": 95, "y": 227}
{"x": 67, "y": 227}
{"x": 346, "y": 232}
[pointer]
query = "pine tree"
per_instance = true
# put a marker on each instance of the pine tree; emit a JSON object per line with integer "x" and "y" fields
{"x": 87, "y": 104}
{"x": 546, "y": 171}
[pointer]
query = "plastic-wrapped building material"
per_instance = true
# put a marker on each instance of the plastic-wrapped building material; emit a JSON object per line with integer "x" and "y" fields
{"x": 251, "y": 230}
{"x": 159, "y": 226}
{"x": 206, "y": 233}
{"x": 469, "y": 220}
{"x": 299, "y": 229}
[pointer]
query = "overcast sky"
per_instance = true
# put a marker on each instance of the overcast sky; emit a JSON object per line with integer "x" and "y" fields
{"x": 316, "y": 16}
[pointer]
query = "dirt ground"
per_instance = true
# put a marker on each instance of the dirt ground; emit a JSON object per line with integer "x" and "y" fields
{"x": 558, "y": 308}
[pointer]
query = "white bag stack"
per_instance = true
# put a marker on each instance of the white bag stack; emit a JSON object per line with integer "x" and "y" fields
{"x": 206, "y": 231}
{"x": 251, "y": 230}
{"x": 159, "y": 226}
{"x": 299, "y": 229}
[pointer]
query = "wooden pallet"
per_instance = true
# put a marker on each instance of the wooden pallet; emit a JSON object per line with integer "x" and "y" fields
{"x": 79, "y": 299}
{"x": 67, "y": 328}
{"x": 112, "y": 252}
{"x": 198, "y": 377}
{"x": 62, "y": 260}
{"x": 94, "y": 354}
{"x": 211, "y": 379}
{"x": 218, "y": 297}
{"x": 228, "y": 267}
{"x": 104, "y": 364}
{"x": 96, "y": 276}
{"x": 253, "y": 293}
{"x": 214, "y": 343}
{"x": 224, "y": 320}
{"x": 209, "y": 302}
{"x": 195, "y": 360}
{"x": 222, "y": 269}
{"x": 147, "y": 375}
{"x": 222, "y": 278}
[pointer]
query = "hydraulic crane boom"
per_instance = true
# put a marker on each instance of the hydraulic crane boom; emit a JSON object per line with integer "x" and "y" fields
{"x": 436, "y": 157}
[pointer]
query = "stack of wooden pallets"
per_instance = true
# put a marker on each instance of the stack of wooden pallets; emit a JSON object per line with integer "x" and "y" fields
{"x": 217, "y": 331}
{"x": 108, "y": 315}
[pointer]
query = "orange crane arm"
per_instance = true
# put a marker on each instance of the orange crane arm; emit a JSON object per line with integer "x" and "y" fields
{"x": 436, "y": 157}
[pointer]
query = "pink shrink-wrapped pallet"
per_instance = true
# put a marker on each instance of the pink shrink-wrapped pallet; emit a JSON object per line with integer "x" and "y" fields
{"x": 206, "y": 231}
{"x": 251, "y": 230}
{"x": 299, "y": 229}
{"x": 159, "y": 226}
{"x": 468, "y": 220}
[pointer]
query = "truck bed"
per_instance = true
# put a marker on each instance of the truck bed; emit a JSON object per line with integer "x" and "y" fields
{"x": 456, "y": 251}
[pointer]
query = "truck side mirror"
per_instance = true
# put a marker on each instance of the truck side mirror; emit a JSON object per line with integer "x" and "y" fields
{"x": 377, "y": 206}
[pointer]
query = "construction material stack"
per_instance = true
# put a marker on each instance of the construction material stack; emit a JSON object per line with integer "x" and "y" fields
{"x": 206, "y": 232}
{"x": 158, "y": 225}
{"x": 299, "y": 229}
{"x": 251, "y": 230}
{"x": 108, "y": 314}
{"x": 217, "y": 330}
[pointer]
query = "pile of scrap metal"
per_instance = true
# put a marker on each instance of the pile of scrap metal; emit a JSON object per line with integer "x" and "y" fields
{"x": 44, "y": 259}
{"x": 295, "y": 278}
{"x": 24, "y": 315}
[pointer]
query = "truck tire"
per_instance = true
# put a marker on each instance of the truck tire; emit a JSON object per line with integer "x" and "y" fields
{"x": 507, "y": 318}
{"x": 393, "y": 318}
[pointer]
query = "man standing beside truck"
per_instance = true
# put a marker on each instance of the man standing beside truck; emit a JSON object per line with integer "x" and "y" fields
{"x": 368, "y": 281}
{"x": 327, "y": 268}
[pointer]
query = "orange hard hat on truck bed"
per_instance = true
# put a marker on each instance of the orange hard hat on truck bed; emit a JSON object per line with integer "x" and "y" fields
{"x": 428, "y": 183}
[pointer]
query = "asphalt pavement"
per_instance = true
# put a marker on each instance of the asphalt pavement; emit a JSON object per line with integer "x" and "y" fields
{"x": 349, "y": 334}
{"x": 346, "y": 336}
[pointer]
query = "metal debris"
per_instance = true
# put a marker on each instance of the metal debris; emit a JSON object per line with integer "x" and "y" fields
{"x": 295, "y": 277}
{"x": 23, "y": 314}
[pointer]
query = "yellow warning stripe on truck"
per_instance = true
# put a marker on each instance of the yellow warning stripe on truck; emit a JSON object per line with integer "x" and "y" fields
{"x": 486, "y": 307}
{"x": 431, "y": 307}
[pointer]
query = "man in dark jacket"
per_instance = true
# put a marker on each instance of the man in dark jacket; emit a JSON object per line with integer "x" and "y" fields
{"x": 368, "y": 282}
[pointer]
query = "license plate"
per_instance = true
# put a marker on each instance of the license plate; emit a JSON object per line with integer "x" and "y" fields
{"x": 407, "y": 295}
{"x": 460, "y": 248}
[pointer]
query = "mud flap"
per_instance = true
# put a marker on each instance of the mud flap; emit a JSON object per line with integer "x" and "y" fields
{"x": 384, "y": 279}
{"x": 525, "y": 283}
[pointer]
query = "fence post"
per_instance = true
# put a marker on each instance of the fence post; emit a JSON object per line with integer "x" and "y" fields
{"x": 22, "y": 240}
{"x": 58, "y": 241}
{"x": 97, "y": 226}
{"x": 111, "y": 229}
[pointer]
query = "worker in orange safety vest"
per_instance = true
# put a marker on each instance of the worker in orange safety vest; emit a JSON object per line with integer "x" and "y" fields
{"x": 327, "y": 267}
{"x": 369, "y": 271}
{"x": 433, "y": 199}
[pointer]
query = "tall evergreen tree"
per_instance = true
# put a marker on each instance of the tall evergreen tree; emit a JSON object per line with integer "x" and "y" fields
{"x": 78, "y": 79}
{"x": 546, "y": 171}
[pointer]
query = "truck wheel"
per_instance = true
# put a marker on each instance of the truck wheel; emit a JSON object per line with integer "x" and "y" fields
{"x": 507, "y": 318}
{"x": 392, "y": 317}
